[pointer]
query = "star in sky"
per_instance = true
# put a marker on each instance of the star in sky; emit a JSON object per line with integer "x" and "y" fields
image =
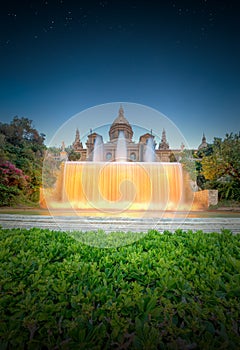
{"x": 179, "y": 56}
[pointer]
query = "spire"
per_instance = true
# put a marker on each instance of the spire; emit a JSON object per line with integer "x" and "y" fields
{"x": 164, "y": 144}
{"x": 203, "y": 143}
{"x": 77, "y": 137}
{"x": 121, "y": 118}
{"x": 164, "y": 139}
{"x": 121, "y": 111}
{"x": 77, "y": 144}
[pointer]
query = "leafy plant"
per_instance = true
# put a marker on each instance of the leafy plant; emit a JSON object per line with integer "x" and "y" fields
{"x": 222, "y": 167}
{"x": 166, "y": 291}
{"x": 21, "y": 155}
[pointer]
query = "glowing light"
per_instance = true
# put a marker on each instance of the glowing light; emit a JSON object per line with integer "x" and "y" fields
{"x": 121, "y": 186}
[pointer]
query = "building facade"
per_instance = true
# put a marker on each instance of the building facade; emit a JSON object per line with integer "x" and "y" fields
{"x": 136, "y": 151}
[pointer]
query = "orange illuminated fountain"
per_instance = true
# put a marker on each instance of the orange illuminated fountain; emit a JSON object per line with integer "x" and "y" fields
{"x": 121, "y": 185}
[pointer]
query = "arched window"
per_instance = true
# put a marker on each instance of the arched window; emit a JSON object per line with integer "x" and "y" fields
{"x": 109, "y": 156}
{"x": 133, "y": 156}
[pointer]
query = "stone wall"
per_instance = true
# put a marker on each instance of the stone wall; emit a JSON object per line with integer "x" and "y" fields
{"x": 213, "y": 197}
{"x": 203, "y": 199}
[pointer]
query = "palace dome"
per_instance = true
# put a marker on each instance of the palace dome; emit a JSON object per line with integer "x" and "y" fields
{"x": 120, "y": 124}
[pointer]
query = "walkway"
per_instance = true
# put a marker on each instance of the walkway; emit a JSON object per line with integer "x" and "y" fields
{"x": 109, "y": 224}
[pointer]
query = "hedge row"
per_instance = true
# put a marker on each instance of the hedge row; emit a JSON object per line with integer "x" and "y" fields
{"x": 166, "y": 291}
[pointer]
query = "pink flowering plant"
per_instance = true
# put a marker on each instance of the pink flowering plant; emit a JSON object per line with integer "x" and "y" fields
{"x": 13, "y": 182}
{"x": 10, "y": 175}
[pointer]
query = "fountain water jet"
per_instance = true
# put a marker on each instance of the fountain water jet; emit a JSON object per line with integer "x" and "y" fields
{"x": 121, "y": 151}
{"x": 149, "y": 155}
{"x": 98, "y": 149}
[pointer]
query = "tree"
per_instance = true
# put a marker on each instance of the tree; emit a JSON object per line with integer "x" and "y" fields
{"x": 20, "y": 130}
{"x": 73, "y": 156}
{"x": 188, "y": 163}
{"x": 222, "y": 167}
{"x": 23, "y": 146}
{"x": 172, "y": 158}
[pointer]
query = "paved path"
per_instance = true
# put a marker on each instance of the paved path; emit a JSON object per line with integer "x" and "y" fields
{"x": 109, "y": 224}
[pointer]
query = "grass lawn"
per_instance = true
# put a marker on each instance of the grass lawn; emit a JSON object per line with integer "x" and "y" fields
{"x": 165, "y": 291}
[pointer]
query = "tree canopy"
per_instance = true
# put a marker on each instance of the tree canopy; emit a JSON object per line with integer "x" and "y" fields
{"x": 22, "y": 147}
{"x": 221, "y": 166}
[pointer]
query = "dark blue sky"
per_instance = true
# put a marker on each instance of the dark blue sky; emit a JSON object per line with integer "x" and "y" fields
{"x": 179, "y": 57}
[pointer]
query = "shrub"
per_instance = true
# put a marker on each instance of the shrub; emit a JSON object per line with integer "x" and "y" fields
{"x": 165, "y": 291}
{"x": 13, "y": 183}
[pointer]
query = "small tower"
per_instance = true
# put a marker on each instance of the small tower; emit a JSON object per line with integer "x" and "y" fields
{"x": 63, "y": 153}
{"x": 77, "y": 144}
{"x": 163, "y": 145}
{"x": 90, "y": 144}
{"x": 204, "y": 143}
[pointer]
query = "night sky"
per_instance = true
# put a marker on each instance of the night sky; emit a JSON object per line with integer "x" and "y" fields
{"x": 181, "y": 58}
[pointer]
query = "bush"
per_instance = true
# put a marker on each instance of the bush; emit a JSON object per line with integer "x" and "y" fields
{"x": 13, "y": 184}
{"x": 165, "y": 291}
{"x": 8, "y": 195}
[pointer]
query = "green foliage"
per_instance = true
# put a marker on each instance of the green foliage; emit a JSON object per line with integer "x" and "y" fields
{"x": 222, "y": 167}
{"x": 73, "y": 156}
{"x": 9, "y": 195}
{"x": 165, "y": 291}
{"x": 50, "y": 171}
{"x": 19, "y": 130}
{"x": 23, "y": 146}
{"x": 172, "y": 158}
{"x": 13, "y": 183}
{"x": 216, "y": 166}
{"x": 189, "y": 163}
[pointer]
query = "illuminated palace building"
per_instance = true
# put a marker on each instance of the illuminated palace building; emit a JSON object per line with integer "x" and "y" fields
{"x": 135, "y": 152}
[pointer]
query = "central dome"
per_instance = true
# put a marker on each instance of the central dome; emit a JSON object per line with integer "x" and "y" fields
{"x": 120, "y": 124}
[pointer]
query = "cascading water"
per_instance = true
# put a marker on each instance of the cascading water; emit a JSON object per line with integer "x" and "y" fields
{"x": 122, "y": 185}
{"x": 121, "y": 151}
{"x": 98, "y": 150}
{"x": 118, "y": 186}
{"x": 149, "y": 155}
